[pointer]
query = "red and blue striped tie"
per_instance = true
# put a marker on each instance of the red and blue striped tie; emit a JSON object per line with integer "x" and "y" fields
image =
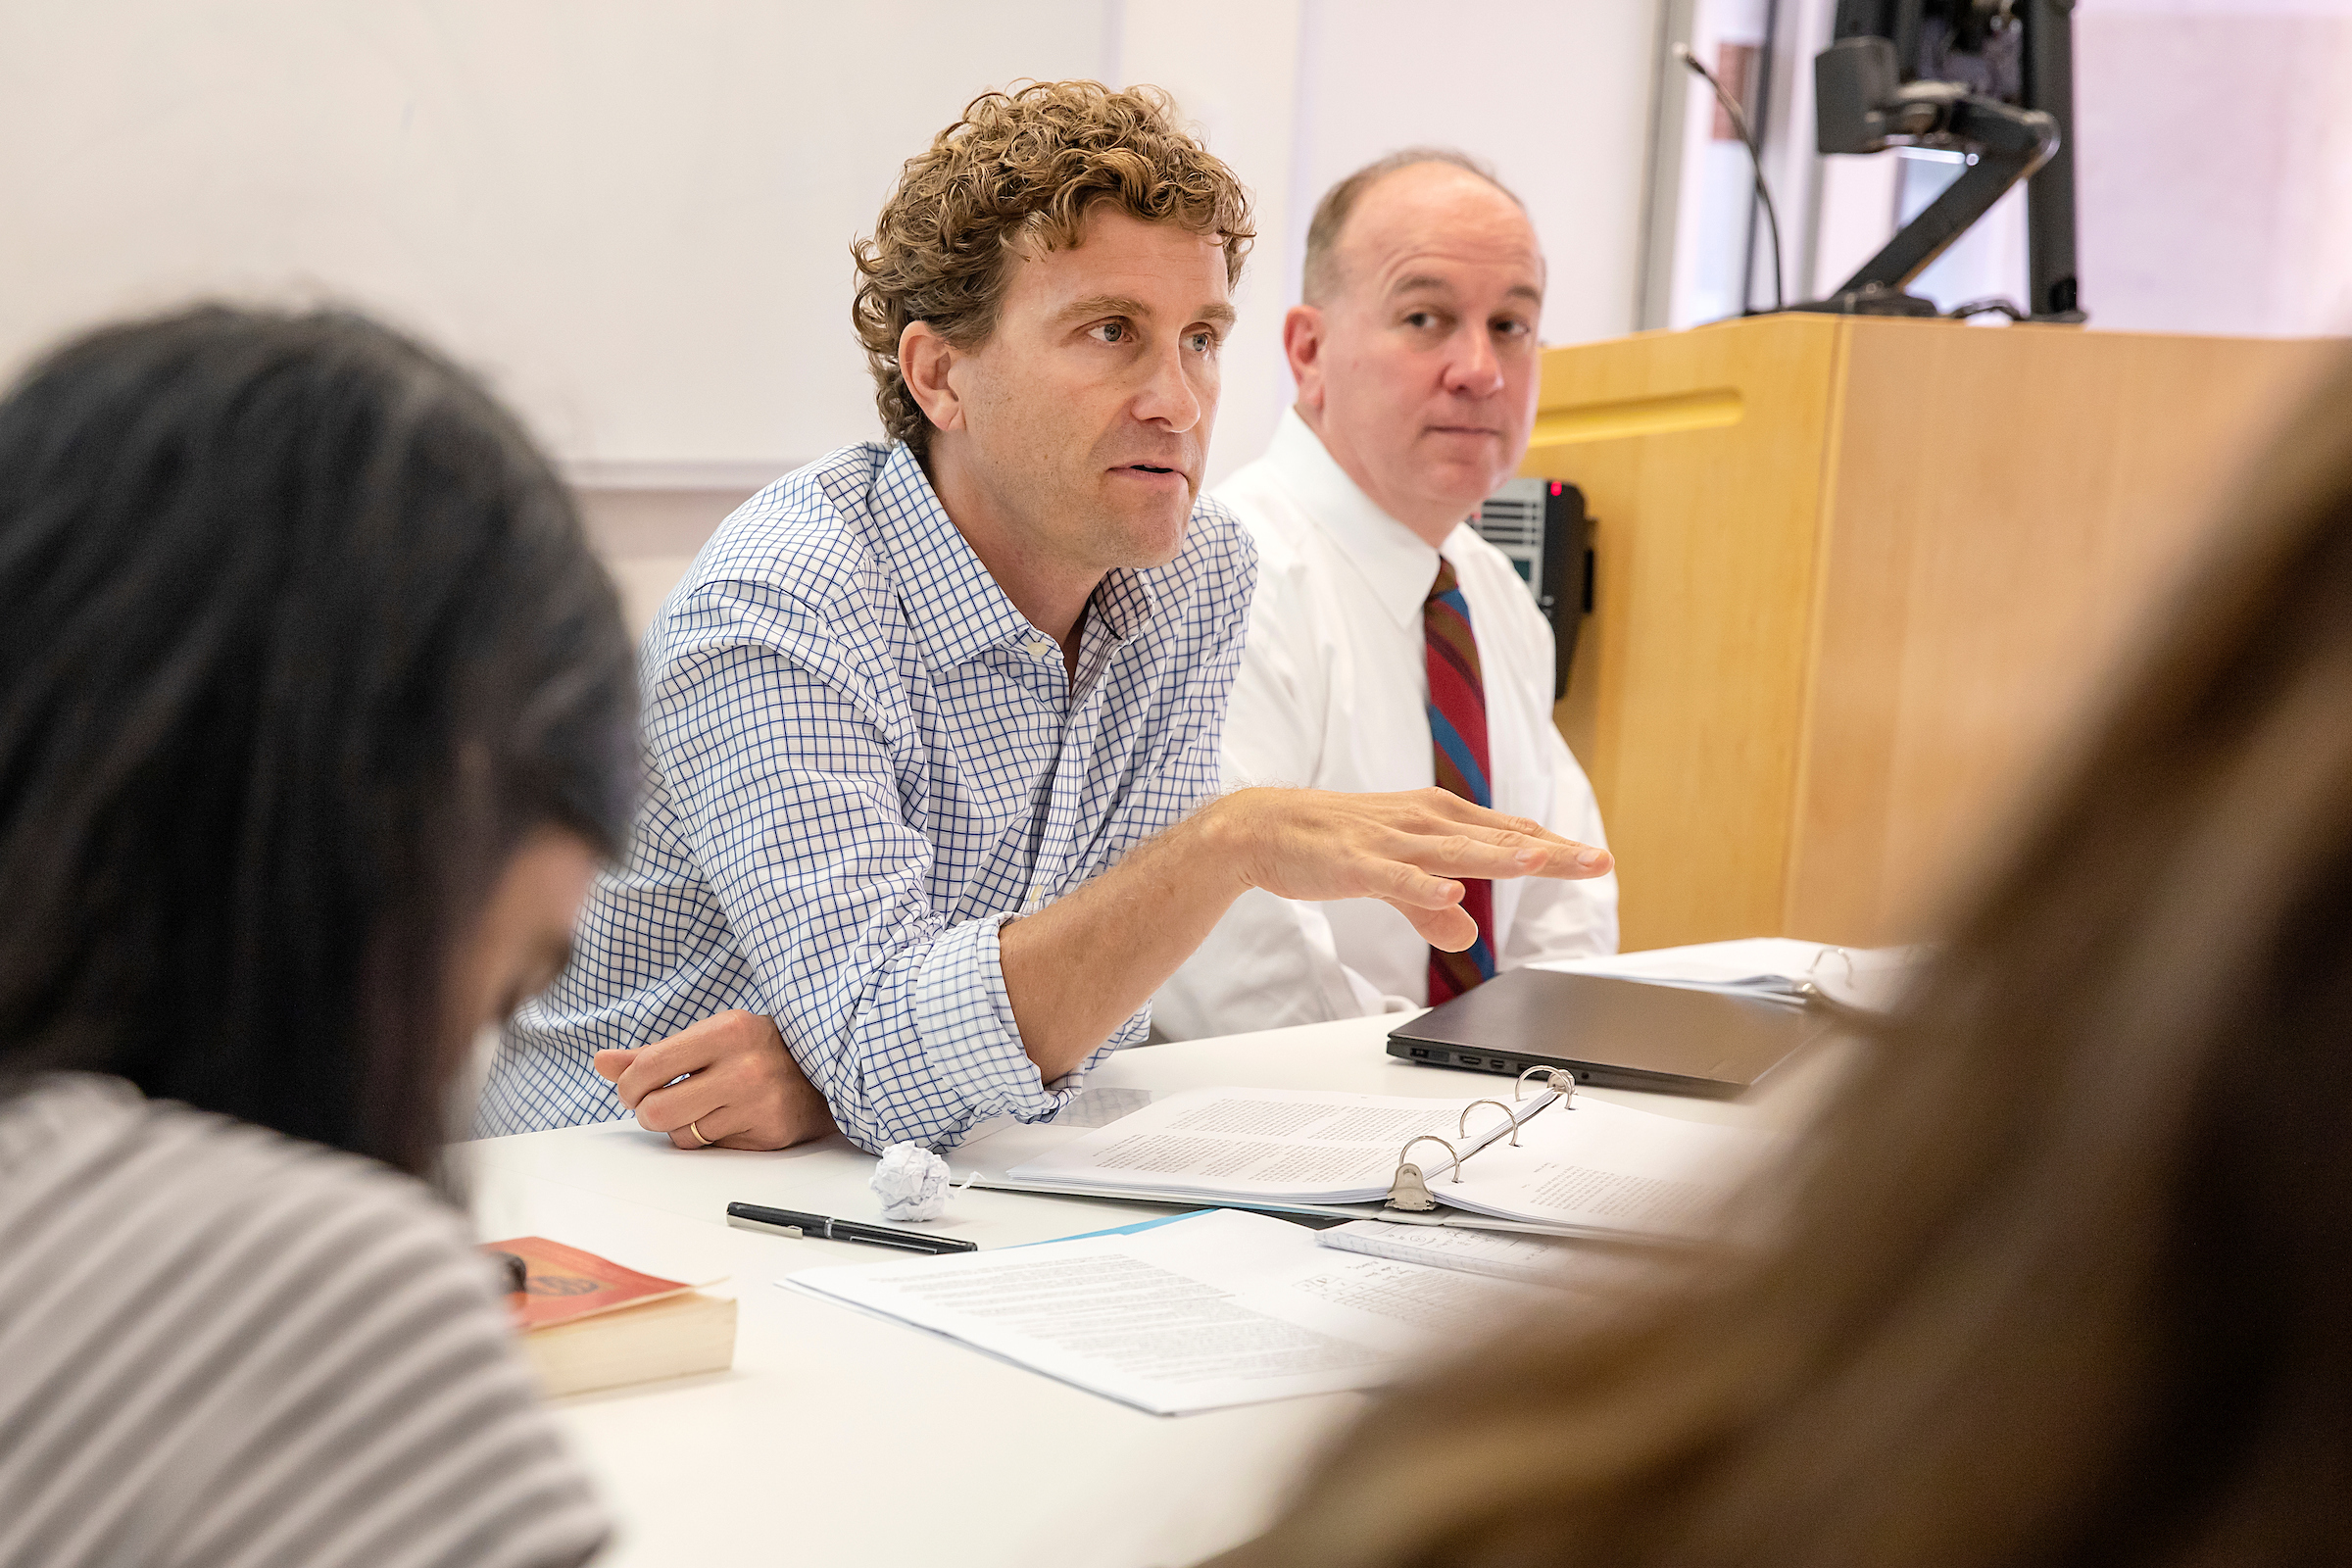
{"x": 1457, "y": 733}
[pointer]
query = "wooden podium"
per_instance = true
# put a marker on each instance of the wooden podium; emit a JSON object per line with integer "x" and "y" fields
{"x": 1854, "y": 577}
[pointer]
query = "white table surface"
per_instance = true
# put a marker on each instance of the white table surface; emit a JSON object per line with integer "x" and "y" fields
{"x": 840, "y": 1438}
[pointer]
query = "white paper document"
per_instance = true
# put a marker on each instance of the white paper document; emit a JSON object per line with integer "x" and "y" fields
{"x": 1587, "y": 1168}
{"x": 1297, "y": 1144}
{"x": 1585, "y": 1269}
{"x": 1202, "y": 1312}
{"x": 1601, "y": 1169}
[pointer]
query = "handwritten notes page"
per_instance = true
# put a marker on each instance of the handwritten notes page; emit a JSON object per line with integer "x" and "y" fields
{"x": 1209, "y": 1310}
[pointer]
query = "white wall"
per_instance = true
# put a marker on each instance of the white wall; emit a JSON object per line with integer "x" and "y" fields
{"x": 2216, "y": 165}
{"x": 2213, "y": 171}
{"x": 636, "y": 215}
{"x": 1554, "y": 93}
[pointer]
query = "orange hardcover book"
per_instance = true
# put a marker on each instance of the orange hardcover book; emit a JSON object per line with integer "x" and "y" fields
{"x": 588, "y": 1323}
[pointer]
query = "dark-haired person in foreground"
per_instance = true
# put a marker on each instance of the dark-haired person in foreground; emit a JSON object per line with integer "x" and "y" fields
{"x": 2069, "y": 1278}
{"x": 931, "y": 725}
{"x": 317, "y": 717}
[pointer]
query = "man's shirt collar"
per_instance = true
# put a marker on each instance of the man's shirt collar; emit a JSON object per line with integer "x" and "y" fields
{"x": 956, "y": 606}
{"x": 1126, "y": 599}
{"x": 1392, "y": 559}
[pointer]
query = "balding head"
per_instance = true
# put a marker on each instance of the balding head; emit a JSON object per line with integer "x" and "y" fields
{"x": 1339, "y": 204}
{"x": 1415, "y": 346}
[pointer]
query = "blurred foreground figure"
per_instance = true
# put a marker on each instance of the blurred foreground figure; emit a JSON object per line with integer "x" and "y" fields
{"x": 2069, "y": 1275}
{"x": 316, "y": 718}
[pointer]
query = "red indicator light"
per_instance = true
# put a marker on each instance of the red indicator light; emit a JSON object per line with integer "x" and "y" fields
{"x": 1556, "y": 488}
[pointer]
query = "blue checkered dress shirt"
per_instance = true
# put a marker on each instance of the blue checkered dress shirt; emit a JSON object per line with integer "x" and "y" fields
{"x": 863, "y": 760}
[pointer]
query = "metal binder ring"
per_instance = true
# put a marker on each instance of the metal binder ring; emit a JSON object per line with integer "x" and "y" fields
{"x": 1811, "y": 993}
{"x": 1810, "y": 987}
{"x": 1433, "y": 1138}
{"x": 1562, "y": 1084}
{"x": 1462, "y": 1127}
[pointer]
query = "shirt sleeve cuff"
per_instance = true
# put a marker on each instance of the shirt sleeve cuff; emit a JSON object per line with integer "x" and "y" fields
{"x": 970, "y": 1040}
{"x": 965, "y": 1021}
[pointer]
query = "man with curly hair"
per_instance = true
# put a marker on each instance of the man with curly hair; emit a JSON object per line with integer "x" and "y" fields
{"x": 931, "y": 725}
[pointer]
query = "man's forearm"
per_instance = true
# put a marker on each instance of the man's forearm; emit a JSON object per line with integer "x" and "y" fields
{"x": 1078, "y": 968}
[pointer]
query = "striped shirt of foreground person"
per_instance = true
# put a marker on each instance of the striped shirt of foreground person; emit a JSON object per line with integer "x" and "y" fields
{"x": 230, "y": 1348}
{"x": 863, "y": 760}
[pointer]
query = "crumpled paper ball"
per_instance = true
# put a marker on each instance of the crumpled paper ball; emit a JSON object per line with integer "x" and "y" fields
{"x": 911, "y": 1182}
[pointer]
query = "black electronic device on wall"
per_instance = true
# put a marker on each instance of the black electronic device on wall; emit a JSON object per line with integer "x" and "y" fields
{"x": 1541, "y": 525}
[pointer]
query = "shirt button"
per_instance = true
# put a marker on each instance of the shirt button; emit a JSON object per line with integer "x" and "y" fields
{"x": 1040, "y": 645}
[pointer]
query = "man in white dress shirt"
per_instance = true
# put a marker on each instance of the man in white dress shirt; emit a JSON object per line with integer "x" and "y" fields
{"x": 1388, "y": 644}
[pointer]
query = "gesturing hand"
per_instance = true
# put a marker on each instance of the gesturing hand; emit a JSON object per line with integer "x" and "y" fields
{"x": 1409, "y": 850}
{"x": 740, "y": 1087}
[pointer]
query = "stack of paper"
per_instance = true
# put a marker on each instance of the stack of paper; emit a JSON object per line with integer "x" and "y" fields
{"x": 1781, "y": 968}
{"x": 1308, "y": 1146}
{"x": 1192, "y": 1313}
{"x": 1585, "y": 1267}
{"x": 1588, "y": 1167}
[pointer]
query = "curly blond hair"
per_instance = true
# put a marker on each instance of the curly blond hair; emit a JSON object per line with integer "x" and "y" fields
{"x": 1023, "y": 168}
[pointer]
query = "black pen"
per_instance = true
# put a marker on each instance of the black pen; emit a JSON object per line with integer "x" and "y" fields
{"x": 792, "y": 1222}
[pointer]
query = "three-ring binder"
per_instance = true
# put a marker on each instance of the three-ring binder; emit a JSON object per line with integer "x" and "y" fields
{"x": 1409, "y": 1190}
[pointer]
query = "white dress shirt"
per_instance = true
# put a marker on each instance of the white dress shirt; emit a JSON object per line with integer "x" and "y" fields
{"x": 1333, "y": 694}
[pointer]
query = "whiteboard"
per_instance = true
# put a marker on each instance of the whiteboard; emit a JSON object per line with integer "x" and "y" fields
{"x": 634, "y": 216}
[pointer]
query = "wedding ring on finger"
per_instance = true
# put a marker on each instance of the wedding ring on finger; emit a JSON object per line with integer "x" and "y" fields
{"x": 694, "y": 1128}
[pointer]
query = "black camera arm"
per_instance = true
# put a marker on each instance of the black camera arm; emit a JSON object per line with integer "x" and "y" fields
{"x": 1865, "y": 107}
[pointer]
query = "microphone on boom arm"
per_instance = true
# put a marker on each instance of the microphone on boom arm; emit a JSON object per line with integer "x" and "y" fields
{"x": 1755, "y": 159}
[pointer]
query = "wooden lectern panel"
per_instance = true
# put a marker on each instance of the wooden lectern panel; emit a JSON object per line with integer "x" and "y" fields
{"x": 1853, "y": 579}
